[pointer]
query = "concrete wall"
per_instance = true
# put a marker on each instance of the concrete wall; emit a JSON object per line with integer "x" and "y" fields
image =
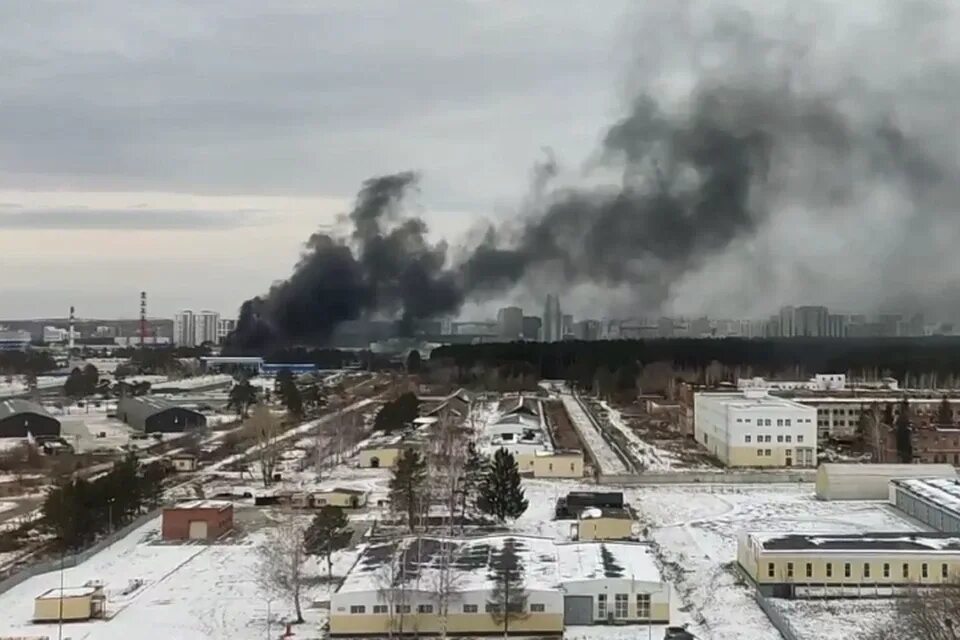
{"x": 707, "y": 477}
{"x": 459, "y": 623}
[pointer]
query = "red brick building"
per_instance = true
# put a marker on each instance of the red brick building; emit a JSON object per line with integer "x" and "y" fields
{"x": 197, "y": 520}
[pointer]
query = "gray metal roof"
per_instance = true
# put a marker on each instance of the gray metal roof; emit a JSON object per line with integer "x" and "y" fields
{"x": 13, "y": 407}
{"x": 885, "y": 541}
{"x": 135, "y": 410}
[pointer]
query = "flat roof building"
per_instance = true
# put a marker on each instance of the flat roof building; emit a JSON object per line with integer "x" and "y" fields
{"x": 155, "y": 415}
{"x": 70, "y": 604}
{"x": 933, "y": 501}
{"x": 197, "y": 520}
{"x": 852, "y": 481}
{"x": 20, "y": 418}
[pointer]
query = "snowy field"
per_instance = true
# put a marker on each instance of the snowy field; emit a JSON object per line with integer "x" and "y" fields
{"x": 17, "y": 385}
{"x": 695, "y": 528}
{"x": 189, "y": 592}
{"x": 609, "y": 461}
{"x": 197, "y": 382}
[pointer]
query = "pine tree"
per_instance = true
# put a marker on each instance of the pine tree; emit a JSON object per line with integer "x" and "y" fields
{"x": 501, "y": 492}
{"x": 328, "y": 532}
{"x": 407, "y": 484}
{"x": 904, "y": 433}
{"x": 945, "y": 413}
{"x": 508, "y": 599}
{"x": 474, "y": 470}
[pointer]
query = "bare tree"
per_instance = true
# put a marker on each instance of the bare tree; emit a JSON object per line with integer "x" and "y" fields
{"x": 924, "y": 614}
{"x": 282, "y": 561}
{"x": 392, "y": 588}
{"x": 265, "y": 428}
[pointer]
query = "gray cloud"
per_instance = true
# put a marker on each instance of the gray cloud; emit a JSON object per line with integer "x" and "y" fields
{"x": 80, "y": 218}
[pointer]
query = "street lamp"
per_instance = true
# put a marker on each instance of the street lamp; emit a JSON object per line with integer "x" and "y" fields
{"x": 110, "y": 502}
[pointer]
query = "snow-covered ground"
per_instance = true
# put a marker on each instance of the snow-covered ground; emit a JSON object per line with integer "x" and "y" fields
{"x": 696, "y": 527}
{"x": 6, "y": 506}
{"x": 837, "y": 619}
{"x": 188, "y": 592}
{"x": 17, "y": 385}
{"x": 197, "y": 382}
{"x": 652, "y": 458}
{"x": 609, "y": 461}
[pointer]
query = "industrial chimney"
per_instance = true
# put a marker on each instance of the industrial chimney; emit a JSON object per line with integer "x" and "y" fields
{"x": 71, "y": 328}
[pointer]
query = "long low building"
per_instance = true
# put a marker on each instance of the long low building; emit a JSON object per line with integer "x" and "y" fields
{"x": 848, "y": 565}
{"x": 392, "y": 589}
{"x": 933, "y": 501}
{"x": 851, "y": 481}
{"x": 156, "y": 415}
{"x": 20, "y": 418}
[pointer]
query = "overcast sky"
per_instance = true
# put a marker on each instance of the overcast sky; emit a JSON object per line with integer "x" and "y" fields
{"x": 188, "y": 148}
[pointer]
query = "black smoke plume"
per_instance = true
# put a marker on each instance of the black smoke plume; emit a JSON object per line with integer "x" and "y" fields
{"x": 684, "y": 192}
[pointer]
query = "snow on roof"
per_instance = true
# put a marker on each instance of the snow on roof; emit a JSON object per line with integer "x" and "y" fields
{"x": 943, "y": 492}
{"x": 417, "y": 562}
{"x": 203, "y": 504}
{"x": 68, "y": 592}
{"x": 889, "y": 470}
{"x": 859, "y": 542}
{"x": 579, "y": 561}
{"x": 352, "y": 492}
{"x": 740, "y": 400}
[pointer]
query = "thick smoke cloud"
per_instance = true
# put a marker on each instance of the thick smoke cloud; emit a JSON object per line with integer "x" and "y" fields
{"x": 759, "y": 163}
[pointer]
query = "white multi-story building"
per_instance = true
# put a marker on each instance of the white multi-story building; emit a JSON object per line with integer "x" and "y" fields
{"x": 552, "y": 328}
{"x": 820, "y": 382}
{"x": 206, "y": 327}
{"x": 225, "y": 327}
{"x": 185, "y": 329}
{"x": 754, "y": 429}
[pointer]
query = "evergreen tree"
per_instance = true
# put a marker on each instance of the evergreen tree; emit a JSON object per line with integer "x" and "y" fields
{"x": 508, "y": 599}
{"x": 397, "y": 414}
{"x": 328, "y": 532}
{"x": 474, "y": 469}
{"x": 501, "y": 492}
{"x": 75, "y": 385}
{"x": 408, "y": 484}
{"x": 904, "y": 433}
{"x": 90, "y": 377}
{"x": 945, "y": 413}
{"x": 242, "y": 395}
{"x": 414, "y": 362}
{"x": 292, "y": 400}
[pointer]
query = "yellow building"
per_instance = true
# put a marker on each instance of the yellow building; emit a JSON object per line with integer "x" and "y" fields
{"x": 557, "y": 464}
{"x": 605, "y": 524}
{"x": 340, "y": 497}
{"x": 868, "y": 565}
{"x": 381, "y": 453}
{"x": 70, "y": 605}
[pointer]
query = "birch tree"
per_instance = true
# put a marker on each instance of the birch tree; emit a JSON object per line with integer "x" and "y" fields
{"x": 265, "y": 429}
{"x": 282, "y": 561}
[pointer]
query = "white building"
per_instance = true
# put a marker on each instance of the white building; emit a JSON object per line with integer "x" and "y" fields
{"x": 851, "y": 481}
{"x": 820, "y": 382}
{"x": 185, "y": 329}
{"x": 753, "y": 429}
{"x": 225, "y": 327}
{"x": 552, "y": 328}
{"x": 206, "y": 327}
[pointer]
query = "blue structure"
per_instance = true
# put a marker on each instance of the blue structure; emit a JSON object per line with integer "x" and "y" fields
{"x": 272, "y": 369}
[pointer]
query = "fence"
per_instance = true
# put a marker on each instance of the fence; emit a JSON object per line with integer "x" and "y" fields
{"x": 73, "y": 560}
{"x": 776, "y": 618}
{"x": 711, "y": 477}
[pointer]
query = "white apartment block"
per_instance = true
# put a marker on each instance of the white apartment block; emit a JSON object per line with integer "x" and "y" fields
{"x": 753, "y": 429}
{"x": 185, "y": 329}
{"x": 206, "y": 327}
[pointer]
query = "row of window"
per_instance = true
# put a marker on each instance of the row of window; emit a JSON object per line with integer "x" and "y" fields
{"x": 428, "y": 608}
{"x": 781, "y": 422}
{"x": 780, "y": 438}
{"x": 621, "y": 607}
{"x": 866, "y": 570}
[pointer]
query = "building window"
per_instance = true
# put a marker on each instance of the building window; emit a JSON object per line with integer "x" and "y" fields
{"x": 537, "y": 608}
{"x": 943, "y": 570}
{"x": 380, "y": 608}
{"x": 789, "y": 438}
{"x": 799, "y": 438}
{"x": 739, "y": 419}
{"x": 923, "y": 570}
{"x": 906, "y": 570}
{"x": 358, "y": 608}
{"x": 787, "y": 422}
{"x": 779, "y": 438}
{"x": 771, "y": 570}
{"x": 602, "y": 605}
{"x": 470, "y": 608}
{"x": 746, "y": 438}
{"x": 402, "y": 608}
{"x": 643, "y": 606}
{"x": 759, "y": 452}
{"x": 886, "y": 569}
{"x": 809, "y": 569}
{"x": 766, "y": 439}
{"x": 621, "y": 606}
{"x": 829, "y": 569}
{"x": 491, "y": 608}
{"x": 789, "y": 569}
{"x": 846, "y": 570}
{"x": 572, "y": 466}
{"x": 866, "y": 569}
{"x": 779, "y": 422}
{"x": 424, "y": 608}
{"x": 767, "y": 452}
{"x": 551, "y": 467}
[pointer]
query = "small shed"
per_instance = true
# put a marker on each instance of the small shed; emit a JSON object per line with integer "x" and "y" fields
{"x": 565, "y": 463}
{"x": 605, "y": 524}
{"x": 156, "y": 415}
{"x": 197, "y": 520}
{"x": 20, "y": 418}
{"x": 184, "y": 462}
{"x": 70, "y": 604}
{"x": 843, "y": 481}
{"x": 340, "y": 497}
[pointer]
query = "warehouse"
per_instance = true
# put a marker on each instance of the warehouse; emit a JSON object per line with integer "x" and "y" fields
{"x": 339, "y": 497}
{"x": 611, "y": 583}
{"x": 71, "y": 604}
{"x": 837, "y": 481}
{"x": 933, "y": 501}
{"x": 848, "y": 565}
{"x": 605, "y": 524}
{"x": 391, "y": 590}
{"x": 19, "y": 419}
{"x": 155, "y": 415}
{"x": 197, "y": 520}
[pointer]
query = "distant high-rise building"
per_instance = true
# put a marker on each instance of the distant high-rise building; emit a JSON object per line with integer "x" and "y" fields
{"x": 225, "y": 327}
{"x": 510, "y": 323}
{"x": 837, "y": 325}
{"x": 566, "y": 325}
{"x": 531, "y": 328}
{"x": 205, "y": 325}
{"x": 810, "y": 321}
{"x": 787, "y": 323}
{"x": 890, "y": 323}
{"x": 586, "y": 330}
{"x": 185, "y": 329}
{"x": 552, "y": 320}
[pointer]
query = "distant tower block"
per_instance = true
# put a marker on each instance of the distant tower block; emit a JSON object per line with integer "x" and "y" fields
{"x": 143, "y": 317}
{"x": 71, "y": 328}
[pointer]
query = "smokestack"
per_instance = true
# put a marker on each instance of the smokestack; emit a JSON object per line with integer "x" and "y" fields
{"x": 71, "y": 328}
{"x": 143, "y": 317}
